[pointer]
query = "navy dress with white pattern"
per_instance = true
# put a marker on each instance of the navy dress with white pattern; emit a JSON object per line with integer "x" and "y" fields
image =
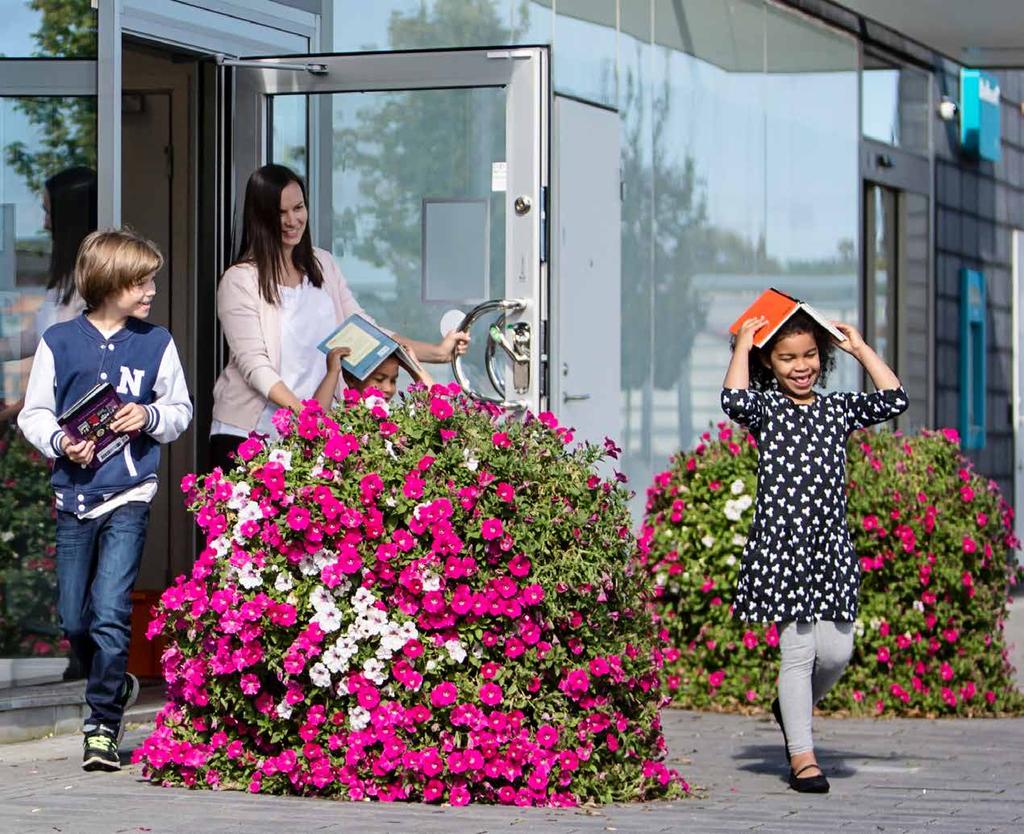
{"x": 799, "y": 562}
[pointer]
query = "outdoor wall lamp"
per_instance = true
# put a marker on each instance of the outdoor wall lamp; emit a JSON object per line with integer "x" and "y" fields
{"x": 948, "y": 109}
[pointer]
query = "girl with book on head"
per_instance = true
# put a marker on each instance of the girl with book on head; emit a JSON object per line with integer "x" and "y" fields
{"x": 799, "y": 569}
{"x": 106, "y": 374}
{"x": 279, "y": 299}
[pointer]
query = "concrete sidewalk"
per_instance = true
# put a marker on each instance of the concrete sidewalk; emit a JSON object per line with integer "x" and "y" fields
{"x": 892, "y": 776}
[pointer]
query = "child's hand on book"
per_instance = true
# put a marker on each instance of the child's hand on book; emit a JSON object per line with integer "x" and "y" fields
{"x": 854, "y": 341}
{"x": 745, "y": 336}
{"x": 334, "y": 357}
{"x": 129, "y": 417}
{"x": 80, "y": 453}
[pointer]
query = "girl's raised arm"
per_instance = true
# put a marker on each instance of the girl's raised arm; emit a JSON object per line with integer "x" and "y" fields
{"x": 738, "y": 374}
{"x": 883, "y": 377}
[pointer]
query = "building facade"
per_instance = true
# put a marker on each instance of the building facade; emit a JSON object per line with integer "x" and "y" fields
{"x": 631, "y": 171}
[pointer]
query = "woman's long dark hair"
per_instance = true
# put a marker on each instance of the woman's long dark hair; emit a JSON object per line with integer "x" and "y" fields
{"x": 261, "y": 231}
{"x": 761, "y": 376}
{"x": 72, "y": 194}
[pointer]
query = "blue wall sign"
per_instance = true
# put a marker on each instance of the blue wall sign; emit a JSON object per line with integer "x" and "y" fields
{"x": 973, "y": 358}
{"x": 979, "y": 114}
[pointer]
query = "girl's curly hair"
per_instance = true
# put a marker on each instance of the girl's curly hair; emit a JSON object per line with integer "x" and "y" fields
{"x": 761, "y": 376}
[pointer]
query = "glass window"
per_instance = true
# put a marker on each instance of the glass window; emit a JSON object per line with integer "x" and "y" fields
{"x": 584, "y": 50}
{"x": 708, "y": 232}
{"x": 811, "y": 170}
{"x": 634, "y": 90}
{"x": 880, "y": 271}
{"x": 52, "y": 29}
{"x": 894, "y": 103}
{"x": 47, "y": 205}
{"x": 427, "y": 24}
{"x": 401, "y": 162}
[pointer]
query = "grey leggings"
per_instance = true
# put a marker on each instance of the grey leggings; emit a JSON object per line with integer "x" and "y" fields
{"x": 814, "y": 655}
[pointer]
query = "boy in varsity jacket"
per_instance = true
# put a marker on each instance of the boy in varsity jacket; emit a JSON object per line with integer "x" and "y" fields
{"x": 103, "y": 510}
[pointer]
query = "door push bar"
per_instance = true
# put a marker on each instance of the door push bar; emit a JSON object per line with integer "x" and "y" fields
{"x": 518, "y": 350}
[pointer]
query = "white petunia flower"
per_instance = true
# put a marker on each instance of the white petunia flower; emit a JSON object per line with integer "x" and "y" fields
{"x": 329, "y": 619}
{"x": 373, "y": 669}
{"x": 918, "y": 605}
{"x": 358, "y": 718}
{"x": 281, "y": 456}
{"x": 362, "y": 599}
{"x": 737, "y": 487}
{"x": 239, "y": 496}
{"x": 283, "y": 583}
{"x": 319, "y": 675}
{"x": 739, "y": 540}
{"x": 730, "y": 560}
{"x": 431, "y": 581}
{"x": 307, "y": 567}
{"x": 660, "y": 579}
{"x": 455, "y": 650}
{"x": 321, "y": 599}
{"x": 377, "y": 402}
{"x": 708, "y": 540}
{"x": 744, "y": 501}
{"x": 341, "y": 688}
{"x": 471, "y": 463}
{"x": 334, "y": 660}
{"x": 284, "y": 710}
{"x": 250, "y": 512}
{"x": 249, "y": 576}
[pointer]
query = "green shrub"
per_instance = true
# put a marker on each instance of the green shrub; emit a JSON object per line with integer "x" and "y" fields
{"x": 413, "y": 601}
{"x": 934, "y": 540}
{"x": 28, "y": 578}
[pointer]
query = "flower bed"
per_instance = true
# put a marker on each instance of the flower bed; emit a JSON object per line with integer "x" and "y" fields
{"x": 413, "y": 602}
{"x": 933, "y": 538}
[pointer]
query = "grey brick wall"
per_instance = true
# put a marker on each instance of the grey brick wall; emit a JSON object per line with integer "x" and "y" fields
{"x": 977, "y": 207}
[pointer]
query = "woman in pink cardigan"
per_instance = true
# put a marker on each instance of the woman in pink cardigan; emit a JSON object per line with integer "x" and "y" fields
{"x": 275, "y": 304}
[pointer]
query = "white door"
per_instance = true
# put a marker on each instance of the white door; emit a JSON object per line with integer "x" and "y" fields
{"x": 428, "y": 179}
{"x": 585, "y": 279}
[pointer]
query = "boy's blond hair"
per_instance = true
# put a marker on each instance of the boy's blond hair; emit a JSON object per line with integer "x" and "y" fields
{"x": 110, "y": 261}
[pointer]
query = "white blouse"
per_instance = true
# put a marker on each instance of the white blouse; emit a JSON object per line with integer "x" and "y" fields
{"x": 307, "y": 317}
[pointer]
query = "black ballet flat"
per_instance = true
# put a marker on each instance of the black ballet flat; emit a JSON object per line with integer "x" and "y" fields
{"x": 809, "y": 784}
{"x": 777, "y": 712}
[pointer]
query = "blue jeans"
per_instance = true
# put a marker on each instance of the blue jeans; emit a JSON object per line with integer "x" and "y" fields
{"x": 97, "y": 564}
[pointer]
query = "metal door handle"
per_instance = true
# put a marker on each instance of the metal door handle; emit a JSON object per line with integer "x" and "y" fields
{"x": 504, "y": 305}
{"x": 568, "y": 398}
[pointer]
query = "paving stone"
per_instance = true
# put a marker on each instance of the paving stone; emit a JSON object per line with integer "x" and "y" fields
{"x": 887, "y": 776}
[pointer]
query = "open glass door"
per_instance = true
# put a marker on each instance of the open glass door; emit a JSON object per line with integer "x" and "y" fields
{"x": 428, "y": 182}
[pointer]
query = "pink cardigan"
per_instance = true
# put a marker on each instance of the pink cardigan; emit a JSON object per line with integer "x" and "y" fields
{"x": 252, "y": 328}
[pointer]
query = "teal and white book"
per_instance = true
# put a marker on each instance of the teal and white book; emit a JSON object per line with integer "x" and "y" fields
{"x": 369, "y": 346}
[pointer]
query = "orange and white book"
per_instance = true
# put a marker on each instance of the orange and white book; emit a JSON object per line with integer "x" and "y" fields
{"x": 778, "y": 308}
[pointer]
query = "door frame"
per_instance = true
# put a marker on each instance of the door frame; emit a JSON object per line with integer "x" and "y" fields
{"x": 523, "y": 71}
{"x": 1017, "y": 396}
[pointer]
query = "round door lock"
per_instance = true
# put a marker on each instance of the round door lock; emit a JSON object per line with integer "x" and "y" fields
{"x": 523, "y": 204}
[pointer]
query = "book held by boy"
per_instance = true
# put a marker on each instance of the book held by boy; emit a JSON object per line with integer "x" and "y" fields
{"x": 778, "y": 308}
{"x": 369, "y": 346}
{"x": 89, "y": 418}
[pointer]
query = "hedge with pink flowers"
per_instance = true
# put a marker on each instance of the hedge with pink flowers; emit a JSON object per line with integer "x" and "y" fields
{"x": 936, "y": 547}
{"x": 426, "y": 600}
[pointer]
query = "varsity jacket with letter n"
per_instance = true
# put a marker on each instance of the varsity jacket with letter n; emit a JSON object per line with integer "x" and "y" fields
{"x": 142, "y": 364}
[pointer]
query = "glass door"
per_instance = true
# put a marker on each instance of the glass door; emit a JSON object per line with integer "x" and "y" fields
{"x": 897, "y": 307}
{"x": 428, "y": 183}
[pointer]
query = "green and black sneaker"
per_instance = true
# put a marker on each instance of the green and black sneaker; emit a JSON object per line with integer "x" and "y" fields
{"x": 101, "y": 749}
{"x": 128, "y": 695}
